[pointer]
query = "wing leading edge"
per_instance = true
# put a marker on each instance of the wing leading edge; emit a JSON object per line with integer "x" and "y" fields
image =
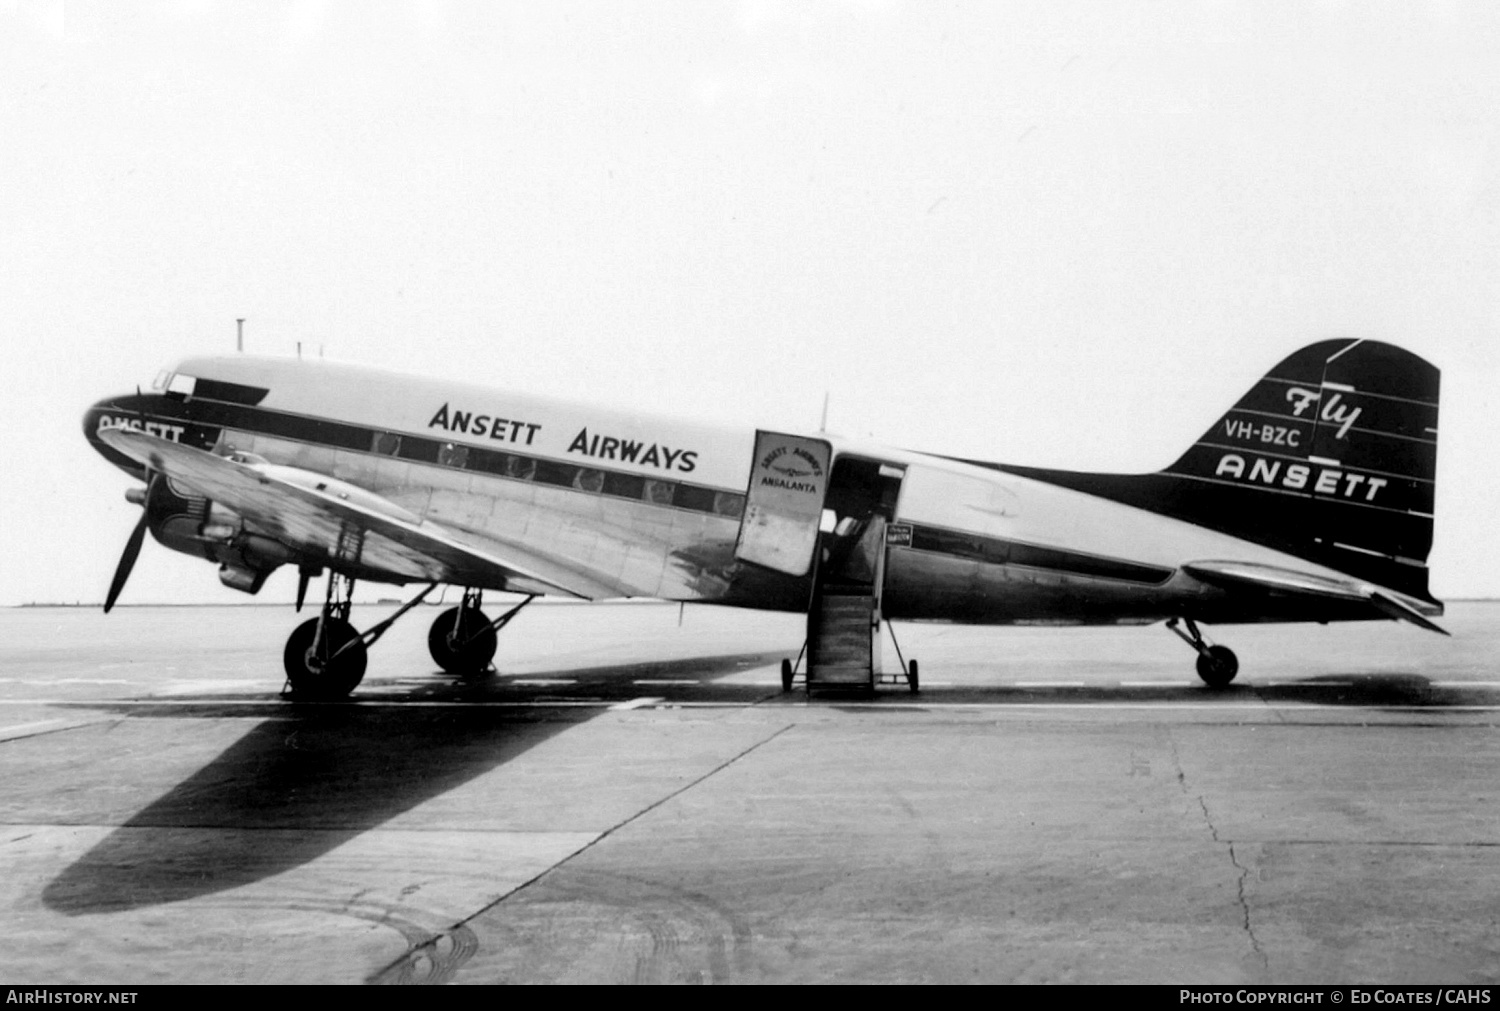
{"x": 341, "y": 522}
{"x": 1250, "y": 575}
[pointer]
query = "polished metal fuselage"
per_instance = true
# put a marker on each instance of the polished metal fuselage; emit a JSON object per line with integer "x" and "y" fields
{"x": 642, "y": 505}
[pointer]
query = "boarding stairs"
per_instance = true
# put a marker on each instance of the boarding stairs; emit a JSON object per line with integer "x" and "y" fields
{"x": 843, "y": 647}
{"x": 843, "y": 625}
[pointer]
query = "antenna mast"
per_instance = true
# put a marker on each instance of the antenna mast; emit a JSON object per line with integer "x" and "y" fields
{"x": 239, "y": 338}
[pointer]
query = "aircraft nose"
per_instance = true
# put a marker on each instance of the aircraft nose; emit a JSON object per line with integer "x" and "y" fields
{"x": 110, "y": 412}
{"x": 93, "y": 418}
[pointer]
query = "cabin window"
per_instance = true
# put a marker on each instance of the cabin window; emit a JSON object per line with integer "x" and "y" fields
{"x": 660, "y": 492}
{"x": 589, "y": 480}
{"x": 520, "y": 468}
{"x": 385, "y": 443}
{"x": 623, "y": 485}
{"x": 424, "y": 450}
{"x": 697, "y": 499}
{"x": 729, "y": 503}
{"x": 548, "y": 472}
{"x": 451, "y": 454}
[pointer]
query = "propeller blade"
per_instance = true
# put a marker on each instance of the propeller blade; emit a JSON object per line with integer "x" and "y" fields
{"x": 302, "y": 578}
{"x": 127, "y": 562}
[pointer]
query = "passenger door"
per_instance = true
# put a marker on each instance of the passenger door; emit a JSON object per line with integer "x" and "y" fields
{"x": 788, "y": 481}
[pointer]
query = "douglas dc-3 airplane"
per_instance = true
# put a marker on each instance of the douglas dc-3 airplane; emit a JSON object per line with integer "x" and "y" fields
{"x": 1310, "y": 500}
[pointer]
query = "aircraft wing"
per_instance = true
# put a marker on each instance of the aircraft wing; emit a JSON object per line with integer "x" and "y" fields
{"x": 1241, "y": 575}
{"x": 332, "y": 518}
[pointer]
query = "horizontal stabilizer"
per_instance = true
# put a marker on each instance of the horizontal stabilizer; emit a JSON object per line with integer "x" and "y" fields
{"x": 1404, "y": 612}
{"x": 1251, "y": 575}
{"x": 341, "y": 523}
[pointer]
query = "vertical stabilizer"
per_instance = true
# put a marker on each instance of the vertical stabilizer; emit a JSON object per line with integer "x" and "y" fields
{"x": 1332, "y": 455}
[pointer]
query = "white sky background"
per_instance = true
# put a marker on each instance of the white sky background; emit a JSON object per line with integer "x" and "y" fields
{"x": 1066, "y": 235}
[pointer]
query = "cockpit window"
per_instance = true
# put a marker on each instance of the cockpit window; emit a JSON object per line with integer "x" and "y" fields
{"x": 160, "y": 382}
{"x": 181, "y": 385}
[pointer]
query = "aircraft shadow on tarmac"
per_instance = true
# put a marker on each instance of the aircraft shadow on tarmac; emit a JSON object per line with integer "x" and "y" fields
{"x": 323, "y": 774}
{"x": 315, "y": 775}
{"x": 1386, "y": 689}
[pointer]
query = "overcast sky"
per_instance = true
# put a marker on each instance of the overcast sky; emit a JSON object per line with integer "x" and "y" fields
{"x": 1058, "y": 234}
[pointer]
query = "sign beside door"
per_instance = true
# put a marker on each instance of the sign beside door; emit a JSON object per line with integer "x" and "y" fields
{"x": 788, "y": 480}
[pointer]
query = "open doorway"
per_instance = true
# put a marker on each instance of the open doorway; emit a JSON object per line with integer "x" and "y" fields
{"x": 861, "y": 501}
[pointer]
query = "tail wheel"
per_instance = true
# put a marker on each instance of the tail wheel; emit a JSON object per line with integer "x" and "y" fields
{"x": 462, "y": 642}
{"x": 1218, "y": 666}
{"x": 330, "y": 671}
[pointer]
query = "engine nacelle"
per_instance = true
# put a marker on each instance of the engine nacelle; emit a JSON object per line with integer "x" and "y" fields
{"x": 192, "y": 524}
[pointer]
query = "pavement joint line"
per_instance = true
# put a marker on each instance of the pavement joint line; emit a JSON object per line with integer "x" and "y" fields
{"x": 66, "y": 681}
{"x": 601, "y": 837}
{"x": 39, "y": 727}
{"x": 638, "y": 703}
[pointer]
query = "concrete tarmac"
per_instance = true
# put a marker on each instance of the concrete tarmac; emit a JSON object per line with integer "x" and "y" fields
{"x": 631, "y": 799}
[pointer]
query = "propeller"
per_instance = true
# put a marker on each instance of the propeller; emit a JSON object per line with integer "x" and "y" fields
{"x": 135, "y": 496}
{"x": 127, "y": 561}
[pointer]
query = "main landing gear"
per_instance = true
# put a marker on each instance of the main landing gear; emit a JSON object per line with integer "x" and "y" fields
{"x": 1217, "y": 665}
{"x": 325, "y": 656}
{"x": 462, "y": 639}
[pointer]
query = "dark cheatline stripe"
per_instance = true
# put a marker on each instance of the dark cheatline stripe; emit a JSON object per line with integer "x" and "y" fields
{"x": 444, "y": 453}
{"x": 999, "y": 551}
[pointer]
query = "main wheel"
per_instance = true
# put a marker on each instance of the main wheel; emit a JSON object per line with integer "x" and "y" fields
{"x": 320, "y": 674}
{"x": 1218, "y": 667}
{"x": 462, "y": 642}
{"x": 786, "y": 675}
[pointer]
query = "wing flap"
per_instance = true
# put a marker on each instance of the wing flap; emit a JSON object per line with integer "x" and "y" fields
{"x": 1242, "y": 575}
{"x": 341, "y": 521}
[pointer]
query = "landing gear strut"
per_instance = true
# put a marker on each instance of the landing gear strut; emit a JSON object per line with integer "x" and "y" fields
{"x": 1217, "y": 665}
{"x": 325, "y": 656}
{"x": 463, "y": 639}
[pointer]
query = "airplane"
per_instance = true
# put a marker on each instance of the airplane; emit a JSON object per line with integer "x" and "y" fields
{"x": 1310, "y": 500}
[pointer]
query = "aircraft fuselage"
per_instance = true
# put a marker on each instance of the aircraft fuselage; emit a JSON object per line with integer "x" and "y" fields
{"x": 641, "y": 505}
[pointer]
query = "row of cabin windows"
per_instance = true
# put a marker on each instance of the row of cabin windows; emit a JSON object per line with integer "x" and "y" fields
{"x": 566, "y": 475}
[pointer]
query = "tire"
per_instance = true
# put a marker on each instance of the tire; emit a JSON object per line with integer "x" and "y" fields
{"x": 466, "y": 652}
{"x": 320, "y": 678}
{"x": 786, "y": 675}
{"x": 1218, "y": 667}
{"x": 911, "y": 676}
